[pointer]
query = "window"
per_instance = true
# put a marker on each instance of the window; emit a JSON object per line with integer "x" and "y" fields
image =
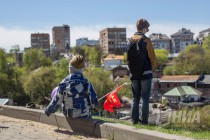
{"x": 168, "y": 85}
{"x": 159, "y": 85}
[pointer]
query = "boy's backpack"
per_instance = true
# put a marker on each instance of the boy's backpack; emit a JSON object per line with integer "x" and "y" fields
{"x": 136, "y": 54}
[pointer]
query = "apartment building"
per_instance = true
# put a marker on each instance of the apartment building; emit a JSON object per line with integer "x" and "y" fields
{"x": 61, "y": 38}
{"x": 41, "y": 40}
{"x": 182, "y": 39}
{"x": 161, "y": 41}
{"x": 202, "y": 35}
{"x": 113, "y": 40}
{"x": 84, "y": 41}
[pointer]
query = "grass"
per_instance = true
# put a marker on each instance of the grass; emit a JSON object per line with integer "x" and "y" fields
{"x": 193, "y": 132}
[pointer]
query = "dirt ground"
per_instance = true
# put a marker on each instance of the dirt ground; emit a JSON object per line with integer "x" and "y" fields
{"x": 15, "y": 129}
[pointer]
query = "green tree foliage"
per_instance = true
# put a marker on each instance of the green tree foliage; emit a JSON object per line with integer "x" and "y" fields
{"x": 4, "y": 85}
{"x": 3, "y": 62}
{"x": 18, "y": 94}
{"x": 162, "y": 56}
{"x": 126, "y": 90}
{"x": 40, "y": 83}
{"x": 92, "y": 54}
{"x": 10, "y": 83}
{"x": 4, "y": 79}
{"x": 78, "y": 50}
{"x": 194, "y": 60}
{"x": 95, "y": 56}
{"x": 169, "y": 70}
{"x": 14, "y": 49}
{"x": 205, "y": 116}
{"x": 62, "y": 69}
{"x": 206, "y": 42}
{"x": 101, "y": 81}
{"x": 125, "y": 58}
{"x": 35, "y": 58}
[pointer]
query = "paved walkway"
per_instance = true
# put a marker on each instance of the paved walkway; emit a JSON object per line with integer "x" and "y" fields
{"x": 15, "y": 129}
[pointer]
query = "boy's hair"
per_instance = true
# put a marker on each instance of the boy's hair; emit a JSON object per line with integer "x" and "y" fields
{"x": 141, "y": 24}
{"x": 77, "y": 61}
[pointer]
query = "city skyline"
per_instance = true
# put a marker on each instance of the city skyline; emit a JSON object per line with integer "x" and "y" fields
{"x": 88, "y": 18}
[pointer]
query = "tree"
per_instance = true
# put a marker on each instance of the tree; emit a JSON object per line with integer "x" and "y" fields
{"x": 206, "y": 42}
{"x": 126, "y": 90}
{"x": 101, "y": 81}
{"x": 14, "y": 49}
{"x": 35, "y": 58}
{"x": 40, "y": 83}
{"x": 3, "y": 61}
{"x": 92, "y": 54}
{"x": 162, "y": 56}
{"x": 169, "y": 70}
{"x": 125, "y": 58}
{"x": 62, "y": 69}
{"x": 194, "y": 60}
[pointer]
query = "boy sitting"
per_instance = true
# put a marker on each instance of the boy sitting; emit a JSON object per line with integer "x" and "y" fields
{"x": 75, "y": 92}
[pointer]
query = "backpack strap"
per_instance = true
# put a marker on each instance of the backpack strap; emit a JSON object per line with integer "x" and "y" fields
{"x": 139, "y": 41}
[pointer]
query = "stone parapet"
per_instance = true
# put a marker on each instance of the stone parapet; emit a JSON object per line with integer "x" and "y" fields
{"x": 91, "y": 127}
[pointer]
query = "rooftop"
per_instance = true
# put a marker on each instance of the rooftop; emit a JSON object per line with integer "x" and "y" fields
{"x": 179, "y": 78}
{"x": 182, "y": 91}
{"x": 158, "y": 36}
{"x": 182, "y": 31}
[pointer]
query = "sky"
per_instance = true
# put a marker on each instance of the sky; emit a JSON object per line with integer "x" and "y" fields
{"x": 86, "y": 18}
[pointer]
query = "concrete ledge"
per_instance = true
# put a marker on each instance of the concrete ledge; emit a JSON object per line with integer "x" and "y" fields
{"x": 21, "y": 113}
{"x": 124, "y": 132}
{"x": 90, "y": 127}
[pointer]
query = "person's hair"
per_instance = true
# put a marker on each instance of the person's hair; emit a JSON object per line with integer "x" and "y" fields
{"x": 141, "y": 24}
{"x": 77, "y": 61}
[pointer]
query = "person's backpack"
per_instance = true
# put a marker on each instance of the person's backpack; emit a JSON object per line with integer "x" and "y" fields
{"x": 136, "y": 54}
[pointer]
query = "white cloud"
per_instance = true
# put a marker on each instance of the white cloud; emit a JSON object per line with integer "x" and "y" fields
{"x": 21, "y": 36}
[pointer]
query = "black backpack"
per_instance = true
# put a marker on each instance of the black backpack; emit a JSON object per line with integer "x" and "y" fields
{"x": 136, "y": 54}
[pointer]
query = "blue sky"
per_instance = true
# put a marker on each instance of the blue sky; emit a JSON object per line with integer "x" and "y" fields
{"x": 86, "y": 18}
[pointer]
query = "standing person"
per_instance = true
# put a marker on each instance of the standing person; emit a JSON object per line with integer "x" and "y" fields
{"x": 75, "y": 92}
{"x": 142, "y": 62}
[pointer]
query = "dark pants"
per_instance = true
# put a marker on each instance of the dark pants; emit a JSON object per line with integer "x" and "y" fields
{"x": 141, "y": 90}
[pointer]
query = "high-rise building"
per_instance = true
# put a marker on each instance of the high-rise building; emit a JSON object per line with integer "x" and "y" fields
{"x": 182, "y": 39}
{"x": 113, "y": 40}
{"x": 41, "y": 40}
{"x": 61, "y": 38}
{"x": 85, "y": 41}
{"x": 161, "y": 41}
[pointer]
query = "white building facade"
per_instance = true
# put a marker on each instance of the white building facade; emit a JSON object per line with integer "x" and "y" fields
{"x": 182, "y": 39}
{"x": 161, "y": 41}
{"x": 202, "y": 35}
{"x": 84, "y": 41}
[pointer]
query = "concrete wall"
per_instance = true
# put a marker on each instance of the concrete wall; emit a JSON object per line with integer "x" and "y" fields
{"x": 92, "y": 127}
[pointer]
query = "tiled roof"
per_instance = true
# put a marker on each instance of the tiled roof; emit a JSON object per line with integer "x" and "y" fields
{"x": 179, "y": 78}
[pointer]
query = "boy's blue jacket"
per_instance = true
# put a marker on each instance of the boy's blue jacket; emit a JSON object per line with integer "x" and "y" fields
{"x": 77, "y": 95}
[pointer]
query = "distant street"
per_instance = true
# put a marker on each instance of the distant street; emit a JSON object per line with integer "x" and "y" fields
{"x": 16, "y": 129}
